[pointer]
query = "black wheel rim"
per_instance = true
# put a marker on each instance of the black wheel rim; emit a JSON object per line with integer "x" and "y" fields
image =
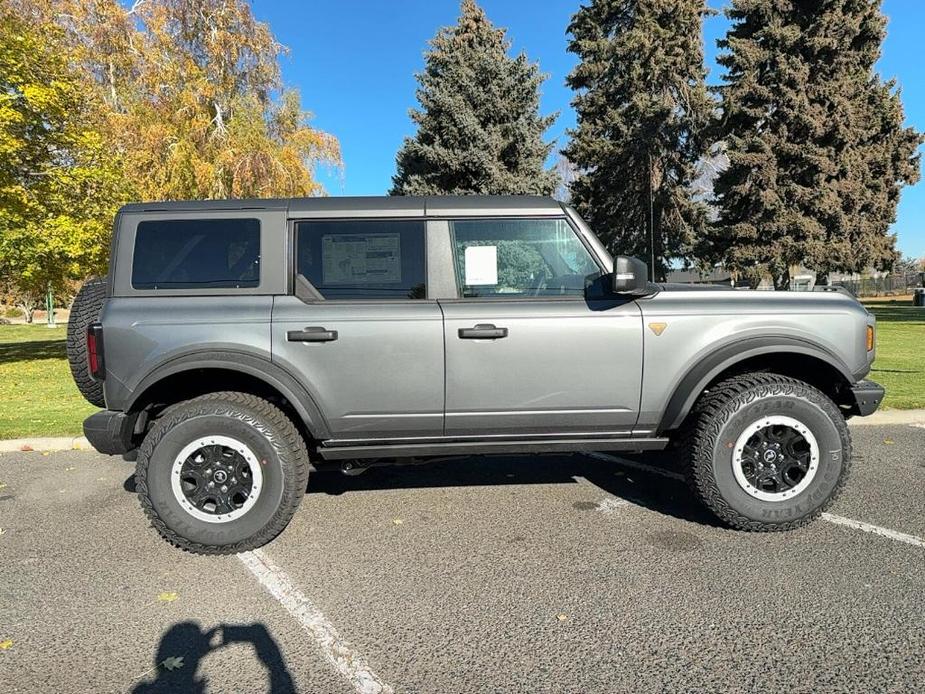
{"x": 216, "y": 479}
{"x": 776, "y": 458}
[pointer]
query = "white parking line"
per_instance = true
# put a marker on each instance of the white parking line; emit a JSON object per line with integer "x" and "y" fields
{"x": 875, "y": 529}
{"x": 339, "y": 653}
{"x": 611, "y": 504}
{"x": 637, "y": 466}
{"x": 830, "y": 517}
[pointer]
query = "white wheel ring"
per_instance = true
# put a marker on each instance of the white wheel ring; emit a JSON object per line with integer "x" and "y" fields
{"x": 755, "y": 427}
{"x": 227, "y": 442}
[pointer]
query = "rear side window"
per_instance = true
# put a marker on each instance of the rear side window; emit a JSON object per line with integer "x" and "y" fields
{"x": 375, "y": 259}
{"x": 197, "y": 254}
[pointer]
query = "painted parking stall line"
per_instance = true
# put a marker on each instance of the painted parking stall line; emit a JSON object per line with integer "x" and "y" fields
{"x": 350, "y": 664}
{"x": 632, "y": 464}
{"x": 828, "y": 517}
{"x": 874, "y": 529}
{"x": 611, "y": 504}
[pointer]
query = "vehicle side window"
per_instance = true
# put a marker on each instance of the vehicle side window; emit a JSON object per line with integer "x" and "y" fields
{"x": 196, "y": 254}
{"x": 520, "y": 257}
{"x": 363, "y": 259}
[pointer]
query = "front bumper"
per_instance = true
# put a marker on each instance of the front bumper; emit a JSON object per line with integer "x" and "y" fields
{"x": 110, "y": 432}
{"x": 867, "y": 397}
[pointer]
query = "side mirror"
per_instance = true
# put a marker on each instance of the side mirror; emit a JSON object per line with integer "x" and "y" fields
{"x": 629, "y": 276}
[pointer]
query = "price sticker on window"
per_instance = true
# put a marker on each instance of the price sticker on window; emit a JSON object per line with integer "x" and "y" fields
{"x": 481, "y": 266}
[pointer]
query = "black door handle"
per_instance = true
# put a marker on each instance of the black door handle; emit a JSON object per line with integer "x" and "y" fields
{"x": 483, "y": 331}
{"x": 313, "y": 334}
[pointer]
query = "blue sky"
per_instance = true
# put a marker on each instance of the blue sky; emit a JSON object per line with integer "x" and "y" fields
{"x": 354, "y": 62}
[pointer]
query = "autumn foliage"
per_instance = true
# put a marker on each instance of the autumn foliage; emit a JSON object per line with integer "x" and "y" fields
{"x": 104, "y": 103}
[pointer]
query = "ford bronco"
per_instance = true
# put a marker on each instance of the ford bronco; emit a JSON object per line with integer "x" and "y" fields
{"x": 238, "y": 345}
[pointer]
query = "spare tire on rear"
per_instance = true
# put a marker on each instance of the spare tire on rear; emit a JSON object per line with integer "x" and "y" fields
{"x": 85, "y": 310}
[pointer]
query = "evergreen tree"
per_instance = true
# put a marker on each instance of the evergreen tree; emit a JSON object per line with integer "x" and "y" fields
{"x": 873, "y": 155}
{"x": 817, "y": 151}
{"x": 478, "y": 129}
{"x": 643, "y": 111}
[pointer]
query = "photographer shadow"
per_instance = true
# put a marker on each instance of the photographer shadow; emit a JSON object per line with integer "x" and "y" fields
{"x": 191, "y": 643}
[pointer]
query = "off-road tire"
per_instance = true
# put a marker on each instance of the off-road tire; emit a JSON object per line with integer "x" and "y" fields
{"x": 279, "y": 448}
{"x": 724, "y": 412}
{"x": 84, "y": 311}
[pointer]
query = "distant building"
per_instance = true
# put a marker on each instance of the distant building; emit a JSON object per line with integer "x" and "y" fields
{"x": 718, "y": 275}
{"x": 801, "y": 279}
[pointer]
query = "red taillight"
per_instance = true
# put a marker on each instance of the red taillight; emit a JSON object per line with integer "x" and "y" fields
{"x": 95, "y": 350}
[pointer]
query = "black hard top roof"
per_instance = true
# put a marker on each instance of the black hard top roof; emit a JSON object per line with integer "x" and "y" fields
{"x": 381, "y": 206}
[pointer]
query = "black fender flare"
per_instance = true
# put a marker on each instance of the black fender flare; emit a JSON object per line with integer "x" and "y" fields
{"x": 705, "y": 370}
{"x": 258, "y": 367}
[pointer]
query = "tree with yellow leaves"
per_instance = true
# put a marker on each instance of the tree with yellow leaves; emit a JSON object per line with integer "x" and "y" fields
{"x": 196, "y": 102}
{"x": 59, "y": 183}
{"x": 103, "y": 103}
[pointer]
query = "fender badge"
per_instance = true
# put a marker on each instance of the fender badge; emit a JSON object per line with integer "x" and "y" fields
{"x": 658, "y": 328}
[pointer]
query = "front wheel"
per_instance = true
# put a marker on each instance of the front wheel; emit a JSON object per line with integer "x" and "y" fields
{"x": 222, "y": 473}
{"x": 767, "y": 452}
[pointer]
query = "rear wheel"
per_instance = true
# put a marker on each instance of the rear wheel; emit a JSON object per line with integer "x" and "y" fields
{"x": 222, "y": 473}
{"x": 767, "y": 452}
{"x": 84, "y": 311}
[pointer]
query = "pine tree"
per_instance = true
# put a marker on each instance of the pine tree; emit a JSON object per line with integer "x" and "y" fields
{"x": 478, "y": 129}
{"x": 817, "y": 151}
{"x": 643, "y": 111}
{"x": 766, "y": 128}
{"x": 872, "y": 155}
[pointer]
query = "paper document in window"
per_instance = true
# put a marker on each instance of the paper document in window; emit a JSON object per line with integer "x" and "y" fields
{"x": 361, "y": 259}
{"x": 481, "y": 266}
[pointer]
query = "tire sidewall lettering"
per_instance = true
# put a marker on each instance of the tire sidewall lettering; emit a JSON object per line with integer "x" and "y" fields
{"x": 166, "y": 505}
{"x": 819, "y": 490}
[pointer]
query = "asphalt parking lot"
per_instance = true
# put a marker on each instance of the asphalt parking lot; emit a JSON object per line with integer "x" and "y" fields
{"x": 573, "y": 573}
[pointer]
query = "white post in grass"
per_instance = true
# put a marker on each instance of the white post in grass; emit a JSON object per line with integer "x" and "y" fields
{"x": 50, "y": 308}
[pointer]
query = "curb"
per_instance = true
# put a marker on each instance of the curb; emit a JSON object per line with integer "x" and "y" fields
{"x": 47, "y": 443}
{"x": 80, "y": 443}
{"x": 890, "y": 417}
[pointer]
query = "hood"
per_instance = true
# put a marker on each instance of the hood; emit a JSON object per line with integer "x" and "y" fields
{"x": 678, "y": 287}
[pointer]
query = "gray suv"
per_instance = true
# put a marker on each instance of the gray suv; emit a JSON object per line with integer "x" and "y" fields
{"x": 238, "y": 345}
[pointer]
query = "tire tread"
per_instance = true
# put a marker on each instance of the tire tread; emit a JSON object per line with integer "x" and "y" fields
{"x": 715, "y": 408}
{"x": 85, "y": 309}
{"x": 287, "y": 440}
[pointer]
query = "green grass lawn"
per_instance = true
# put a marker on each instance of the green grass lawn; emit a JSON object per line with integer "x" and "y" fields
{"x": 900, "y": 364}
{"x": 38, "y": 397}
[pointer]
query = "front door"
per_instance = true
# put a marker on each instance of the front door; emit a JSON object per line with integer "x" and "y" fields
{"x": 529, "y": 351}
{"x": 359, "y": 330}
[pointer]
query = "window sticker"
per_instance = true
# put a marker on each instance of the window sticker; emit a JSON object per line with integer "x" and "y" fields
{"x": 361, "y": 259}
{"x": 481, "y": 266}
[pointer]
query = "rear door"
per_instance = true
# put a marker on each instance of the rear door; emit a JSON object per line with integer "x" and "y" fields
{"x": 360, "y": 330}
{"x": 534, "y": 346}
